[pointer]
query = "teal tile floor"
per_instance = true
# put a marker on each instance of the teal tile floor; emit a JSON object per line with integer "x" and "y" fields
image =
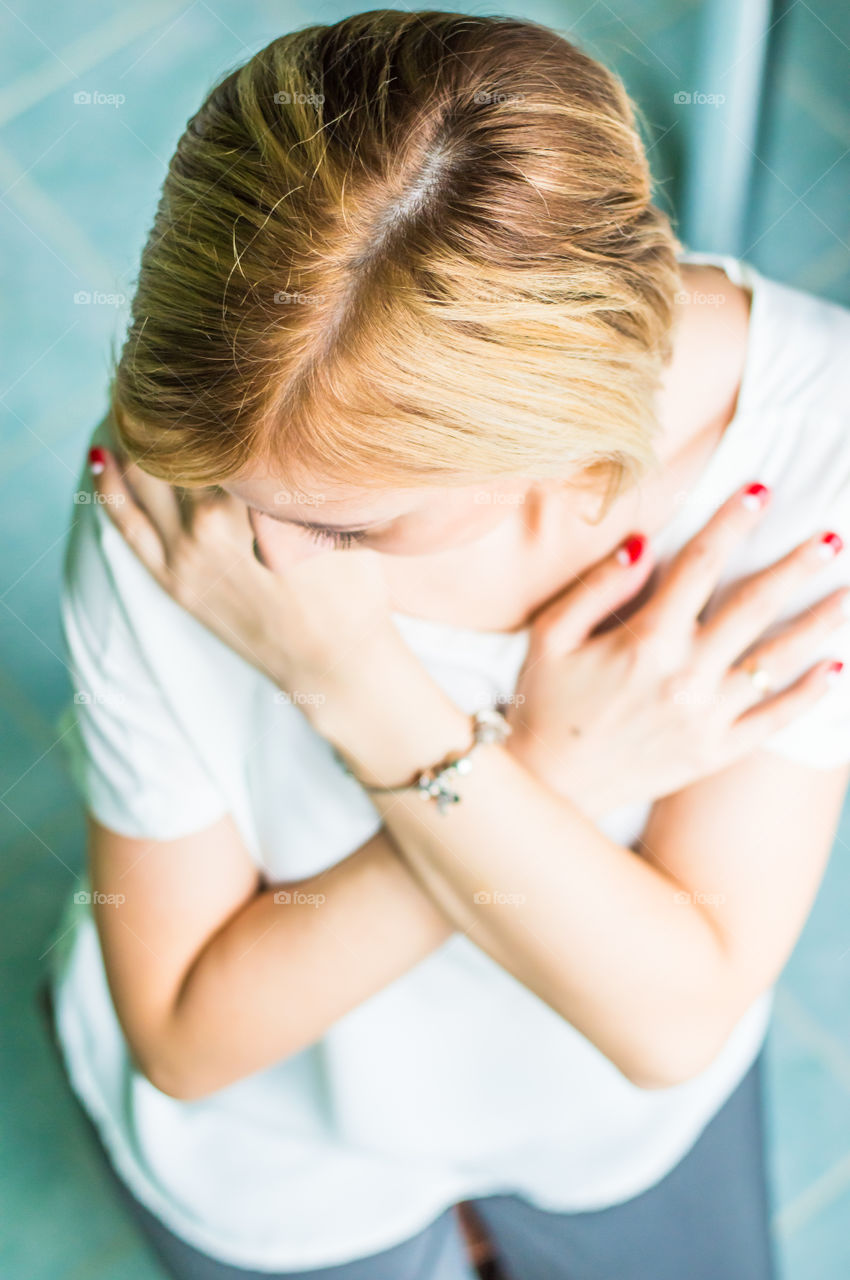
{"x": 78, "y": 187}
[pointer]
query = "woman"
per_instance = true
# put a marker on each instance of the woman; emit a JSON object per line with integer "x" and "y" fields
{"x": 407, "y": 293}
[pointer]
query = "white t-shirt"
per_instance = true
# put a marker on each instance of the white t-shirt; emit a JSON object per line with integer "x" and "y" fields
{"x": 455, "y": 1081}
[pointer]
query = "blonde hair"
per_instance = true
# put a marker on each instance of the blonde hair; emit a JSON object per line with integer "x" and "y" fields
{"x": 399, "y": 249}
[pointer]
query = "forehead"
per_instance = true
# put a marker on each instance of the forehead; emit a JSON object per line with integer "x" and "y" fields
{"x": 270, "y": 490}
{"x": 313, "y": 502}
{"x": 274, "y": 496}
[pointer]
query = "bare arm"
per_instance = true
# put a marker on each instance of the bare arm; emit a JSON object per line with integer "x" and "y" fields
{"x": 598, "y": 931}
{"x": 653, "y": 955}
{"x": 639, "y": 953}
{"x": 212, "y": 979}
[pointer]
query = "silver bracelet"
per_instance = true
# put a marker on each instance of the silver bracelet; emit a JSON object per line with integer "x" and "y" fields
{"x": 488, "y": 725}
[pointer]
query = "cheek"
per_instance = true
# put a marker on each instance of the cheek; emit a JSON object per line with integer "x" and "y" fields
{"x": 449, "y": 530}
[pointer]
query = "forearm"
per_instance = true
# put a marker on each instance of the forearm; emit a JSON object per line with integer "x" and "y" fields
{"x": 582, "y": 921}
{"x": 280, "y": 973}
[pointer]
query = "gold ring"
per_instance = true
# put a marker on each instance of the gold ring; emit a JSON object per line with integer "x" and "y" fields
{"x": 760, "y": 677}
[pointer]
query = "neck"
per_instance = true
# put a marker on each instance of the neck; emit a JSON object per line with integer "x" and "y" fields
{"x": 698, "y": 396}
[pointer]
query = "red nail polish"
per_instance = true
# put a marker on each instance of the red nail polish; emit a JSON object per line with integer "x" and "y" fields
{"x": 632, "y": 549}
{"x": 833, "y": 543}
{"x": 834, "y": 670}
{"x": 755, "y": 496}
{"x": 97, "y": 459}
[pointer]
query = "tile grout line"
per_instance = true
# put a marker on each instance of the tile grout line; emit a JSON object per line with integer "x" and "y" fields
{"x": 816, "y": 1197}
{"x": 88, "y": 50}
{"x": 814, "y": 1036}
{"x": 834, "y": 1181}
{"x": 41, "y": 211}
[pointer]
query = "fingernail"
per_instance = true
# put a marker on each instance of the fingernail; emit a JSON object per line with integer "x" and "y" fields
{"x": 755, "y": 496}
{"x": 834, "y": 670}
{"x": 97, "y": 460}
{"x": 830, "y": 545}
{"x": 632, "y": 549}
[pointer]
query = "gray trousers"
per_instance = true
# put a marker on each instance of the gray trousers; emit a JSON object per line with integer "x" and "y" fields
{"x": 707, "y": 1219}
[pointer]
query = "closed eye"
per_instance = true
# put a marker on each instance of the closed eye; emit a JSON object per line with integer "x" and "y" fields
{"x": 341, "y": 539}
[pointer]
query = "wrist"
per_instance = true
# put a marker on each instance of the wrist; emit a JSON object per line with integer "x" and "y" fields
{"x": 392, "y": 723}
{"x": 563, "y": 776}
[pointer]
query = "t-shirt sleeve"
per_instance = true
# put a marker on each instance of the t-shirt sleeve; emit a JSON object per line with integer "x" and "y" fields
{"x": 131, "y": 760}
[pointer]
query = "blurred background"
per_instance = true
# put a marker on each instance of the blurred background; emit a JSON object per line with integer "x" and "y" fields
{"x": 746, "y": 117}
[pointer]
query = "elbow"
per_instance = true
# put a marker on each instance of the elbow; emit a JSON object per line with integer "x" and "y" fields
{"x": 166, "y": 1079}
{"x": 673, "y": 1059}
{"x": 171, "y": 1073}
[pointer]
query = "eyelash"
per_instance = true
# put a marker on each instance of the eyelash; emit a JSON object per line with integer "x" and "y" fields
{"x": 341, "y": 540}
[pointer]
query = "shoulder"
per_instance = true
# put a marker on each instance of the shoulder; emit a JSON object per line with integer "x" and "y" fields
{"x": 802, "y": 343}
{"x": 107, "y": 598}
{"x": 88, "y": 594}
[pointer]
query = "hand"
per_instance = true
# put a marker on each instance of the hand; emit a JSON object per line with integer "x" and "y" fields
{"x": 642, "y": 709}
{"x": 309, "y": 626}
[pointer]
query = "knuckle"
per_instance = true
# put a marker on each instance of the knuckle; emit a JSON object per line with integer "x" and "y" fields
{"x": 703, "y": 553}
{"x": 755, "y": 591}
{"x": 645, "y": 653}
{"x": 643, "y": 629}
{"x": 682, "y": 688}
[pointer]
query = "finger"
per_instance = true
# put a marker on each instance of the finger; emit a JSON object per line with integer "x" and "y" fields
{"x": 117, "y": 499}
{"x": 157, "y": 498}
{"x": 785, "y": 654}
{"x": 755, "y": 603}
{"x": 694, "y": 571}
{"x": 564, "y": 622}
{"x": 750, "y": 730}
